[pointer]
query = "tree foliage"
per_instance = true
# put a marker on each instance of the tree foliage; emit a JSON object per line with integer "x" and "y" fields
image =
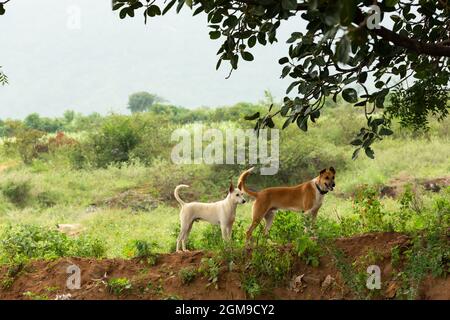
{"x": 342, "y": 51}
{"x": 142, "y": 101}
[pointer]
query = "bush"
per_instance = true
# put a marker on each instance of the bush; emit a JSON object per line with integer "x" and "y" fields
{"x": 28, "y": 144}
{"x": 251, "y": 286}
{"x": 287, "y": 227}
{"x": 30, "y": 241}
{"x": 187, "y": 275}
{"x": 368, "y": 206}
{"x": 270, "y": 262}
{"x": 18, "y": 192}
{"x": 47, "y": 199}
{"x": 114, "y": 141}
{"x": 141, "y": 249}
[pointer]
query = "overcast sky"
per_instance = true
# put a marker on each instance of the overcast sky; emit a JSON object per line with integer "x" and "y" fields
{"x": 53, "y": 66}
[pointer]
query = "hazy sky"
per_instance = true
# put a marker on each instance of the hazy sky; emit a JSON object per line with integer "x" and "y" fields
{"x": 53, "y": 67}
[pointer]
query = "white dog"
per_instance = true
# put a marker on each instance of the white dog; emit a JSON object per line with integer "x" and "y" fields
{"x": 221, "y": 212}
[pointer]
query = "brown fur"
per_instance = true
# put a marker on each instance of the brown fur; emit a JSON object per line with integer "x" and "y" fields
{"x": 303, "y": 197}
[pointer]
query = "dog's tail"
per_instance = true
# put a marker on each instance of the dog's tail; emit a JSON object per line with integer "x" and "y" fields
{"x": 243, "y": 187}
{"x": 175, "y": 193}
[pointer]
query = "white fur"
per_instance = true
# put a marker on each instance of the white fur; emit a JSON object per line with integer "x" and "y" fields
{"x": 221, "y": 212}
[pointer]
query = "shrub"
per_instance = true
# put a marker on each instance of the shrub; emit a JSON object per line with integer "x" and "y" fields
{"x": 211, "y": 269}
{"x": 114, "y": 141}
{"x": 141, "y": 249}
{"x": 308, "y": 250}
{"x": 270, "y": 262}
{"x": 287, "y": 227}
{"x": 30, "y": 241}
{"x": 18, "y": 192}
{"x": 187, "y": 275}
{"x": 368, "y": 206}
{"x": 251, "y": 286}
{"x": 29, "y": 145}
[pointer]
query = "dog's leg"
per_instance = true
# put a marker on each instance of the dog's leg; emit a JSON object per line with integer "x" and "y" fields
{"x": 186, "y": 235}
{"x": 226, "y": 231}
{"x": 270, "y": 215}
{"x": 258, "y": 211}
{"x": 310, "y": 221}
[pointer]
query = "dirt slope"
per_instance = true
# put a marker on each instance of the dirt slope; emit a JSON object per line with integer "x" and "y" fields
{"x": 47, "y": 279}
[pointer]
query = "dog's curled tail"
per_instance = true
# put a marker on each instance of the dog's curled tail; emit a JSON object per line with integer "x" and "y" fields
{"x": 243, "y": 187}
{"x": 175, "y": 193}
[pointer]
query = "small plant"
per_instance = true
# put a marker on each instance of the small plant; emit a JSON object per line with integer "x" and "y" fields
{"x": 34, "y": 296}
{"x": 18, "y": 192}
{"x": 396, "y": 256}
{"x": 142, "y": 249}
{"x": 270, "y": 262}
{"x": 308, "y": 250}
{"x": 119, "y": 286}
{"x": 287, "y": 227}
{"x": 251, "y": 286}
{"x": 353, "y": 280}
{"x": 211, "y": 269}
{"x": 187, "y": 275}
{"x": 367, "y": 205}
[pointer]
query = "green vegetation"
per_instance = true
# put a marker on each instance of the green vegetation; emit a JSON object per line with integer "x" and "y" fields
{"x": 116, "y": 180}
{"x": 187, "y": 275}
{"x": 119, "y": 286}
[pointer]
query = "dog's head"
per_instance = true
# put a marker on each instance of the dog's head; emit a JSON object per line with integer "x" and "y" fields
{"x": 326, "y": 179}
{"x": 236, "y": 195}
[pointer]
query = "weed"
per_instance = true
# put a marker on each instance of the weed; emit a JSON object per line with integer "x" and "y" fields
{"x": 251, "y": 286}
{"x": 211, "y": 269}
{"x": 187, "y": 275}
{"x": 308, "y": 250}
{"x": 34, "y": 296}
{"x": 119, "y": 286}
{"x": 142, "y": 249}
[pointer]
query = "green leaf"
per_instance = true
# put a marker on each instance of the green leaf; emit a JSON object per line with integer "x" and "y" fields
{"x": 169, "y": 6}
{"x": 251, "y": 41}
{"x": 153, "y": 11}
{"x": 289, "y": 4}
{"x": 386, "y": 132}
{"x": 214, "y": 35}
{"x": 390, "y": 3}
{"x": 355, "y": 154}
{"x": 252, "y": 117}
{"x": 343, "y": 50}
{"x": 348, "y": 12}
{"x": 350, "y": 95}
{"x": 285, "y": 71}
{"x": 356, "y": 142}
{"x": 302, "y": 123}
{"x": 370, "y": 153}
{"x": 247, "y": 56}
{"x": 283, "y": 60}
{"x": 362, "y": 77}
{"x": 123, "y": 13}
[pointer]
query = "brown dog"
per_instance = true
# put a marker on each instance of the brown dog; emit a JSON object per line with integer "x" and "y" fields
{"x": 306, "y": 197}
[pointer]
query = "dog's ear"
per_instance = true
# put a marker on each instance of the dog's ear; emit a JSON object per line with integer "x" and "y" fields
{"x": 231, "y": 189}
{"x": 323, "y": 171}
{"x": 332, "y": 170}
